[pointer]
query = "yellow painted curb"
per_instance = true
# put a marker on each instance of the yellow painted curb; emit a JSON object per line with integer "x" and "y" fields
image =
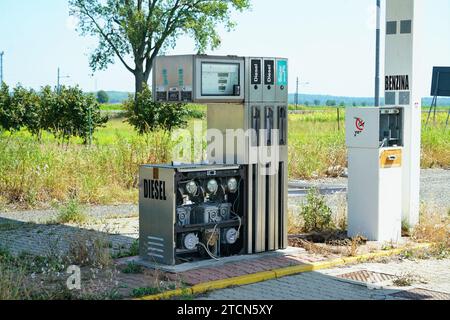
{"x": 278, "y": 273}
{"x": 236, "y": 281}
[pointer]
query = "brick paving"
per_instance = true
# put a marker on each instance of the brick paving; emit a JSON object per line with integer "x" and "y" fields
{"x": 431, "y": 275}
{"x": 43, "y": 239}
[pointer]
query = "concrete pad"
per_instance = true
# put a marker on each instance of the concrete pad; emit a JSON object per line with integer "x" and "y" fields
{"x": 189, "y": 266}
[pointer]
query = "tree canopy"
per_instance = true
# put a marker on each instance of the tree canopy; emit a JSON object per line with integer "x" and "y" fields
{"x": 136, "y": 31}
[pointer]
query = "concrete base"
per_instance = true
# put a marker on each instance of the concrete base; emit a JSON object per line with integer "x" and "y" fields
{"x": 211, "y": 263}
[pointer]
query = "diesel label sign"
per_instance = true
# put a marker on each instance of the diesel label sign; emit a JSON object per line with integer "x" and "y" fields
{"x": 269, "y": 67}
{"x": 256, "y": 71}
{"x": 155, "y": 190}
{"x": 396, "y": 83}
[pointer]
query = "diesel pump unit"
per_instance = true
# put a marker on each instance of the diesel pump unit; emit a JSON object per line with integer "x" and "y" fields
{"x": 236, "y": 203}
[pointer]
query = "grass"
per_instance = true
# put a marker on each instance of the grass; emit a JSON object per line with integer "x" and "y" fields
{"x": 434, "y": 228}
{"x": 147, "y": 291}
{"x": 133, "y": 251}
{"x": 71, "y": 212}
{"x": 33, "y": 174}
{"x": 112, "y": 107}
{"x": 133, "y": 268}
{"x": 404, "y": 280}
{"x": 29, "y": 277}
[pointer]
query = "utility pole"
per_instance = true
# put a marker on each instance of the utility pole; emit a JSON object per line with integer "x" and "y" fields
{"x": 1, "y": 67}
{"x": 297, "y": 93}
{"x": 58, "y": 83}
{"x": 377, "y": 55}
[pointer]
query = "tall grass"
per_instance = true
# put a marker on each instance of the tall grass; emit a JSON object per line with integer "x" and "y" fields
{"x": 315, "y": 144}
{"x": 32, "y": 173}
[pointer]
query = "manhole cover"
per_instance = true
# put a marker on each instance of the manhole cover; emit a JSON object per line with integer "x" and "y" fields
{"x": 421, "y": 294}
{"x": 367, "y": 276}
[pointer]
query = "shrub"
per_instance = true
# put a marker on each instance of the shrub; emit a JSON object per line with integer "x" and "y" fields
{"x": 69, "y": 113}
{"x": 102, "y": 97}
{"x": 71, "y": 212}
{"x": 89, "y": 250}
{"x": 133, "y": 268}
{"x": 79, "y": 114}
{"x": 12, "y": 108}
{"x": 147, "y": 116}
{"x": 317, "y": 216}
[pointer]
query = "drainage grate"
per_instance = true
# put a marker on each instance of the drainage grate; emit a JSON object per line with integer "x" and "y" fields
{"x": 421, "y": 294}
{"x": 367, "y": 276}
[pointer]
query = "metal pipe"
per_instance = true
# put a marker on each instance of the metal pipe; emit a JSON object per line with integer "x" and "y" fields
{"x": 377, "y": 55}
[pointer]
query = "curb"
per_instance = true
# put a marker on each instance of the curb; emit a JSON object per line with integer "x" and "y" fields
{"x": 278, "y": 273}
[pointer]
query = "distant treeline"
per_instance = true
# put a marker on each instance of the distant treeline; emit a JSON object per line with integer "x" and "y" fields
{"x": 305, "y": 99}
{"x": 321, "y": 100}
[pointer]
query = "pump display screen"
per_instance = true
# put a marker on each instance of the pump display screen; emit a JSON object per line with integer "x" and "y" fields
{"x": 219, "y": 79}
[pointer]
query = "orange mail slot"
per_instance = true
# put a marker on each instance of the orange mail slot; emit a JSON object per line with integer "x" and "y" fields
{"x": 391, "y": 158}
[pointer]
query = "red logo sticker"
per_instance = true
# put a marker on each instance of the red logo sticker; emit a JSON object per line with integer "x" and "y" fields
{"x": 360, "y": 125}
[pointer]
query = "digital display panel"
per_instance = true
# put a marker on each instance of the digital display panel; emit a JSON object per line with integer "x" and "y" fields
{"x": 219, "y": 79}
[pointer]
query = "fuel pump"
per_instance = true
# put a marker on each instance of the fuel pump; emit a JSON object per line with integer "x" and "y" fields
{"x": 247, "y": 100}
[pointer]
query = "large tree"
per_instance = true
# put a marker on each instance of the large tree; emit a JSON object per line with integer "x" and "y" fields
{"x": 136, "y": 31}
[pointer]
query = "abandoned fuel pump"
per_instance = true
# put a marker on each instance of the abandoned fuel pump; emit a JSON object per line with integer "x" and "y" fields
{"x": 375, "y": 154}
{"x": 237, "y": 202}
{"x": 384, "y": 143}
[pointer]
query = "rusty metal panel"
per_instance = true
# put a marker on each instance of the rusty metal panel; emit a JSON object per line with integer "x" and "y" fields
{"x": 367, "y": 276}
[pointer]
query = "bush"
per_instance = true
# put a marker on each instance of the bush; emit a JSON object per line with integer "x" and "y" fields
{"x": 71, "y": 212}
{"x": 78, "y": 116}
{"x": 317, "y": 216}
{"x": 11, "y": 108}
{"x": 70, "y": 113}
{"x": 147, "y": 116}
{"x": 102, "y": 97}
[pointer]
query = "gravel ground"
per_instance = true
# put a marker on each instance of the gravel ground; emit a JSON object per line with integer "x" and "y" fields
{"x": 434, "y": 191}
{"x": 96, "y": 212}
{"x": 24, "y": 230}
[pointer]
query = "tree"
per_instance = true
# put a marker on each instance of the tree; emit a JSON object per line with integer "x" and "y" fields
{"x": 306, "y": 103}
{"x": 331, "y": 103}
{"x": 102, "y": 97}
{"x": 34, "y": 115}
{"x": 79, "y": 114}
{"x": 317, "y": 102}
{"x": 5, "y": 106}
{"x": 342, "y": 104}
{"x": 136, "y": 31}
{"x": 152, "y": 116}
{"x": 13, "y": 108}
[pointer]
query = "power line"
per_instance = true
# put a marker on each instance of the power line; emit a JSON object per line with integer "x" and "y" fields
{"x": 58, "y": 83}
{"x": 1, "y": 66}
{"x": 297, "y": 91}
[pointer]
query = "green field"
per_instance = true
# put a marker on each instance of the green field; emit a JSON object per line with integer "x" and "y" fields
{"x": 33, "y": 173}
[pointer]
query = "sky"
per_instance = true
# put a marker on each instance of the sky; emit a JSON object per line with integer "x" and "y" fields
{"x": 330, "y": 44}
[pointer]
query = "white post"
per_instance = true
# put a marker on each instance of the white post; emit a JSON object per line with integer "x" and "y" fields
{"x": 401, "y": 89}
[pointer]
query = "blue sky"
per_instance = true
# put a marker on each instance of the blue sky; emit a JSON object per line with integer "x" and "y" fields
{"x": 329, "y": 43}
